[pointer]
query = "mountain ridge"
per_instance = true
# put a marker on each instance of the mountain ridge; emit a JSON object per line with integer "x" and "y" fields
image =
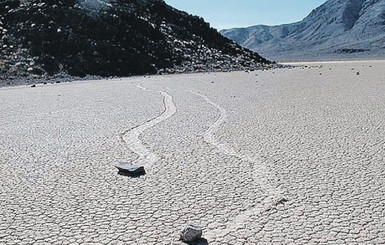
{"x": 337, "y": 28}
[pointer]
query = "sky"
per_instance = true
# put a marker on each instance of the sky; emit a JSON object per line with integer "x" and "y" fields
{"x": 224, "y": 14}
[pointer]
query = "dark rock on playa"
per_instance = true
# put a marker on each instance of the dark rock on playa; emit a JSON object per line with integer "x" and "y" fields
{"x": 191, "y": 233}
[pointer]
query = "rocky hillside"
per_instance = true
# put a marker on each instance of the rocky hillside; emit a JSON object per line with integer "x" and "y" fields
{"x": 336, "y": 29}
{"x": 111, "y": 38}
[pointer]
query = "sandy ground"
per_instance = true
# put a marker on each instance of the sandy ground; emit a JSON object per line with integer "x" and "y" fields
{"x": 288, "y": 156}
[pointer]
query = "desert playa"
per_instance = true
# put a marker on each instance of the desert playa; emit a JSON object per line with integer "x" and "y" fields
{"x": 280, "y": 156}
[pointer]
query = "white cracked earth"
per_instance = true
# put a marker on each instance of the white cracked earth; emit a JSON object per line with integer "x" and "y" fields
{"x": 285, "y": 156}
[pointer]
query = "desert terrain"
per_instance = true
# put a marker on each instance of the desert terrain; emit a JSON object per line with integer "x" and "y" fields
{"x": 281, "y": 156}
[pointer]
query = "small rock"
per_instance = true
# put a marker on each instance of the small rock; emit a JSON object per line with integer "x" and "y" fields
{"x": 190, "y": 233}
{"x": 33, "y": 85}
{"x": 131, "y": 170}
{"x": 358, "y": 73}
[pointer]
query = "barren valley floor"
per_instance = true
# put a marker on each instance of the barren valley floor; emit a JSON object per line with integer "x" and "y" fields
{"x": 284, "y": 156}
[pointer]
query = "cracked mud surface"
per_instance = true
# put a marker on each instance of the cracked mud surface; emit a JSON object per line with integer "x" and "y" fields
{"x": 268, "y": 157}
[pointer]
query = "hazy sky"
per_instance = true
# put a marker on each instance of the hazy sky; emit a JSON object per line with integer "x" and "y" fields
{"x": 223, "y": 14}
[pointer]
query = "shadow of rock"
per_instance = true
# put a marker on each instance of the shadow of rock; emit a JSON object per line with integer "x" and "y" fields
{"x": 126, "y": 169}
{"x": 201, "y": 241}
{"x": 128, "y": 174}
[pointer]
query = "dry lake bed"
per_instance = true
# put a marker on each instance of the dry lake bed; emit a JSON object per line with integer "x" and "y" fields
{"x": 284, "y": 156}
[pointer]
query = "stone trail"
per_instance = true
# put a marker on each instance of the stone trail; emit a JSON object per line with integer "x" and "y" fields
{"x": 261, "y": 176}
{"x": 131, "y": 137}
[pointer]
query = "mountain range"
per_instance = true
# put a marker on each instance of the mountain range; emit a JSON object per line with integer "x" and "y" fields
{"x": 338, "y": 29}
{"x": 111, "y": 38}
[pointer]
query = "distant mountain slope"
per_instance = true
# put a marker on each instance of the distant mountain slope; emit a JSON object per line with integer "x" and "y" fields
{"x": 111, "y": 38}
{"x": 338, "y": 28}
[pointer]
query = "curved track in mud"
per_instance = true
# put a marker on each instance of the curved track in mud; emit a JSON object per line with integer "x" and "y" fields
{"x": 260, "y": 171}
{"x": 131, "y": 137}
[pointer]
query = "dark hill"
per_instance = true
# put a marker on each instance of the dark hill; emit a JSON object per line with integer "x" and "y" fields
{"x": 111, "y": 38}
